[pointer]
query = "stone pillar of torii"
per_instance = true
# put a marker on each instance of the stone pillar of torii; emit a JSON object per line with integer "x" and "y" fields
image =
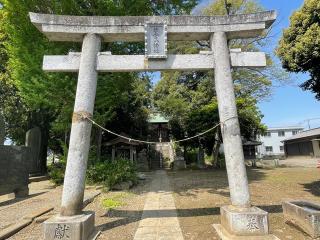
{"x": 237, "y": 220}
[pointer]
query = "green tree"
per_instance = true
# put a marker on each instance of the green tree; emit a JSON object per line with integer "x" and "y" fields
{"x": 47, "y": 99}
{"x": 299, "y": 47}
{"x": 189, "y": 99}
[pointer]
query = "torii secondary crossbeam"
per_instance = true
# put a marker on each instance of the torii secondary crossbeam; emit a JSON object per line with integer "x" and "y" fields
{"x": 238, "y": 219}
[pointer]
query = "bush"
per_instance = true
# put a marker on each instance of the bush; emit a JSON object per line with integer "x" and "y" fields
{"x": 107, "y": 173}
{"x": 191, "y": 156}
{"x": 110, "y": 173}
{"x": 56, "y": 172}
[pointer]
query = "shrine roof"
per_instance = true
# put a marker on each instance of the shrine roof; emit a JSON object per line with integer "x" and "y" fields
{"x": 157, "y": 118}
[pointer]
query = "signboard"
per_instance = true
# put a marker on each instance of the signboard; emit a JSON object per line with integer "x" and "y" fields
{"x": 156, "y": 40}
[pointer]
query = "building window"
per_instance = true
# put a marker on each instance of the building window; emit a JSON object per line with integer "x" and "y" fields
{"x": 281, "y": 148}
{"x": 269, "y": 149}
{"x": 267, "y": 134}
{"x": 294, "y": 132}
{"x": 281, "y": 133}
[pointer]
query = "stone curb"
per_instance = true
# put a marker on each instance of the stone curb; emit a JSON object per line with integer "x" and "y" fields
{"x": 90, "y": 198}
{"x": 38, "y": 178}
{"x": 13, "y": 229}
{"x": 38, "y": 213}
{"x": 95, "y": 235}
{"x": 8, "y": 232}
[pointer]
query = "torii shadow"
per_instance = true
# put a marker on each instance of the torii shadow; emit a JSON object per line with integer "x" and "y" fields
{"x": 128, "y": 217}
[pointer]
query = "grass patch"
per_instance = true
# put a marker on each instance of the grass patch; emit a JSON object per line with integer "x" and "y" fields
{"x": 116, "y": 200}
{"x": 110, "y": 203}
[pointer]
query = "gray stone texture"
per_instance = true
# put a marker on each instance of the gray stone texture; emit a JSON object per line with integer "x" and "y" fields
{"x": 225, "y": 235}
{"x": 179, "y": 163}
{"x": 2, "y": 130}
{"x": 125, "y": 63}
{"x": 78, "y": 227}
{"x": 74, "y": 182}
{"x": 14, "y": 174}
{"x": 304, "y": 215}
{"x": 230, "y": 129}
{"x": 244, "y": 221}
{"x": 131, "y": 28}
{"x": 33, "y": 140}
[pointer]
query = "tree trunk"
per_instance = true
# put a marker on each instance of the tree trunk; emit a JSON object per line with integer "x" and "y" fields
{"x": 44, "y": 150}
{"x": 215, "y": 150}
{"x": 99, "y": 139}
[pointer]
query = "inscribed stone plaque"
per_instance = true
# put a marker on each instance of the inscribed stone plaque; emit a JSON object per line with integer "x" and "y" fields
{"x": 156, "y": 40}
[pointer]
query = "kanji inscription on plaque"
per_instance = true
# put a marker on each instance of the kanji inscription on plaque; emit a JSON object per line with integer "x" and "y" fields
{"x": 156, "y": 40}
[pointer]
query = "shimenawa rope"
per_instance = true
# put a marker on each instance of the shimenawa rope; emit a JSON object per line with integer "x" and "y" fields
{"x": 149, "y": 142}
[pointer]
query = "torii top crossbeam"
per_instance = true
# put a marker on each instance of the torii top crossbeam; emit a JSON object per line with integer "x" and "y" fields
{"x": 131, "y": 28}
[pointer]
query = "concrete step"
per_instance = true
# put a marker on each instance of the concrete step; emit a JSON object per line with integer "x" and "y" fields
{"x": 38, "y": 178}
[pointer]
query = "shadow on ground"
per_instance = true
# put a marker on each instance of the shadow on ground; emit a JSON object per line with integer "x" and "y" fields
{"x": 313, "y": 188}
{"x": 16, "y": 200}
{"x": 134, "y": 216}
{"x": 212, "y": 181}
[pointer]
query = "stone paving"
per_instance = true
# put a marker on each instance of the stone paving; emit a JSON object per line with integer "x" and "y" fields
{"x": 159, "y": 218}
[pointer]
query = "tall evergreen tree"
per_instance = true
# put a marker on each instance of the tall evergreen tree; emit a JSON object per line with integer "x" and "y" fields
{"x": 47, "y": 99}
{"x": 189, "y": 98}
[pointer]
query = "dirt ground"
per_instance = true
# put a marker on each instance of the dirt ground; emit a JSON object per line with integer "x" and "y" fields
{"x": 118, "y": 223}
{"x": 199, "y": 194}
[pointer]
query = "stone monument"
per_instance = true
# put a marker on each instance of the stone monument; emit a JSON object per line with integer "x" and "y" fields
{"x": 179, "y": 162}
{"x": 239, "y": 220}
{"x": 33, "y": 140}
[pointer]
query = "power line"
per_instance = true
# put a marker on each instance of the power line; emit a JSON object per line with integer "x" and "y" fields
{"x": 308, "y": 120}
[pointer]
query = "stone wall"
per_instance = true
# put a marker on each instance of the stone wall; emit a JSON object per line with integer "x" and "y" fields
{"x": 14, "y": 174}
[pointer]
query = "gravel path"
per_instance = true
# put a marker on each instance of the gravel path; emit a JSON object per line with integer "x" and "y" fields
{"x": 122, "y": 222}
{"x": 197, "y": 198}
{"x": 119, "y": 223}
{"x": 200, "y": 194}
{"x": 42, "y": 194}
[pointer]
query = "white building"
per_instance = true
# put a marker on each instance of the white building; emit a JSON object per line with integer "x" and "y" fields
{"x": 272, "y": 140}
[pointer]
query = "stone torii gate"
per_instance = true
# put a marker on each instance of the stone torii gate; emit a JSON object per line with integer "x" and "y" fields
{"x": 239, "y": 220}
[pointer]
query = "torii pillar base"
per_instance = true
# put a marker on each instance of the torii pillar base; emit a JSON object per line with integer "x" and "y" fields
{"x": 243, "y": 224}
{"x": 77, "y": 227}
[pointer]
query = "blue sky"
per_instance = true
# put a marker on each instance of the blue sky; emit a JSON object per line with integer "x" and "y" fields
{"x": 289, "y": 105}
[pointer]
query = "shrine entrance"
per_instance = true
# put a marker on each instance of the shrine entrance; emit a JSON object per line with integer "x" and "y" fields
{"x": 237, "y": 219}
